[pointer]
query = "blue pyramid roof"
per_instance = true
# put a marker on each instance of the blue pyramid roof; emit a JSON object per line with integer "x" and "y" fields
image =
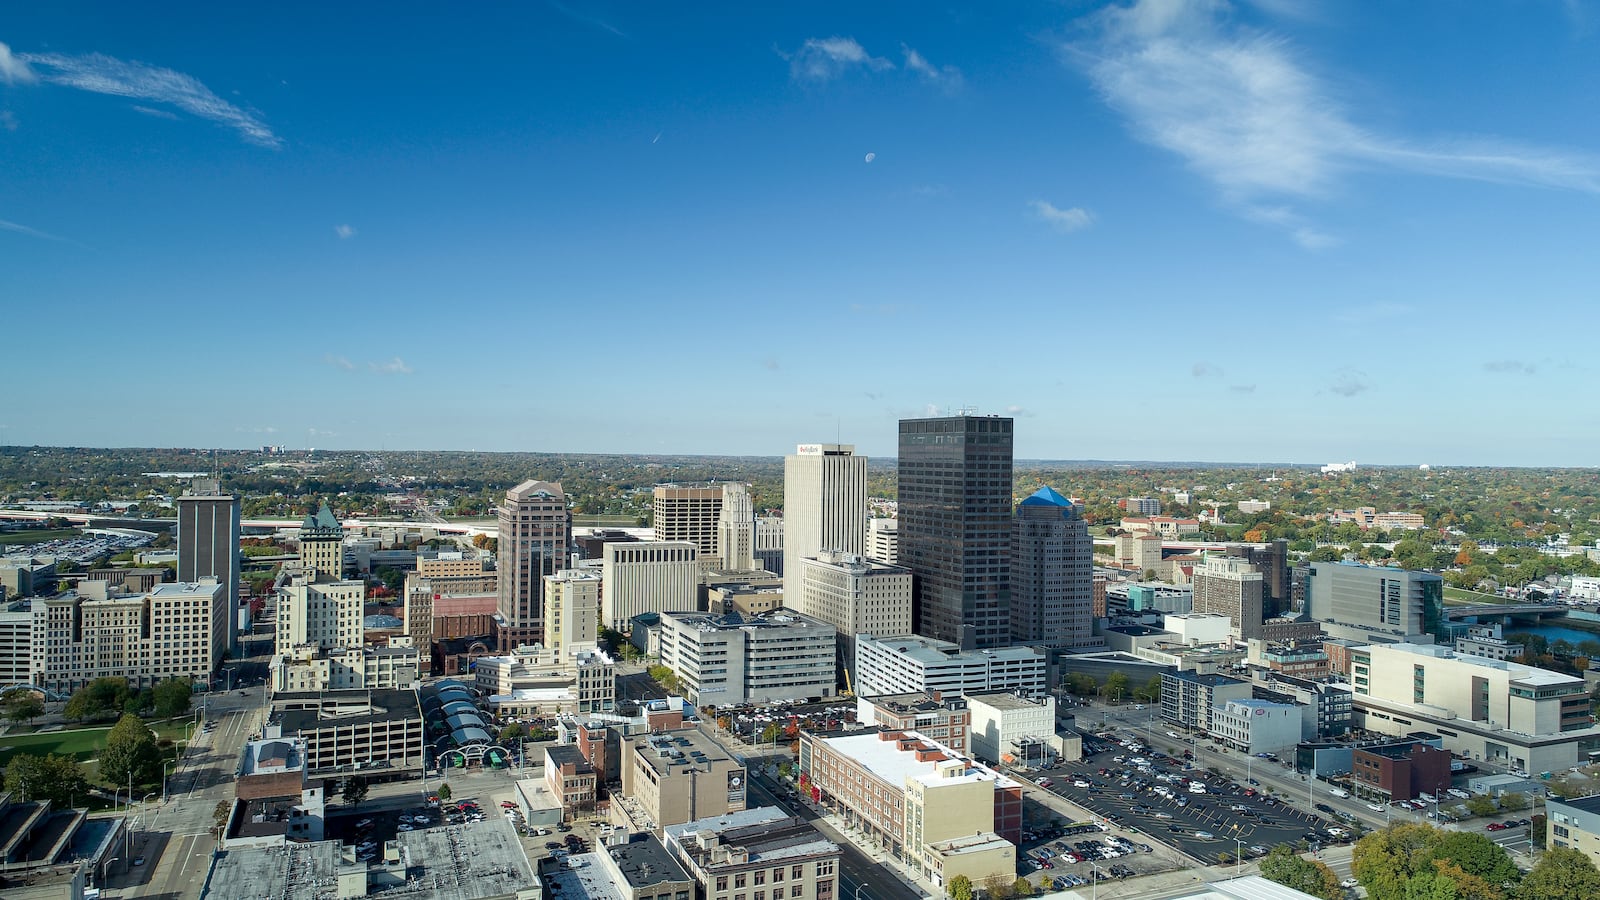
{"x": 1046, "y": 496}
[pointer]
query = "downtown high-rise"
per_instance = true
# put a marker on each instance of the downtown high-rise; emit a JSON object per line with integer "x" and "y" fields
{"x": 1052, "y": 573}
{"x": 534, "y": 538}
{"x": 824, "y": 508}
{"x": 955, "y": 486}
{"x": 208, "y": 544}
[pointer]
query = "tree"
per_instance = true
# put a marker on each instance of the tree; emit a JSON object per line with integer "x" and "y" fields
{"x": 1082, "y": 684}
{"x": 1562, "y": 874}
{"x": 997, "y": 887}
{"x": 1536, "y": 829}
{"x": 1482, "y": 805}
{"x": 219, "y": 816}
{"x": 21, "y": 704}
{"x": 100, "y": 697}
{"x": 771, "y": 733}
{"x": 1476, "y": 855}
{"x": 1385, "y": 860}
{"x": 173, "y": 697}
{"x": 1513, "y": 801}
{"x": 58, "y": 779}
{"x": 355, "y": 791}
{"x": 959, "y": 888}
{"x": 444, "y": 792}
{"x": 1116, "y": 686}
{"x": 1309, "y": 876}
{"x": 130, "y": 754}
{"x": 1022, "y": 887}
{"x": 516, "y": 731}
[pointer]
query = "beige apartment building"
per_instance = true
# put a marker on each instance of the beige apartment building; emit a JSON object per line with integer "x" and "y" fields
{"x": 320, "y": 612}
{"x": 1230, "y": 586}
{"x": 677, "y": 777}
{"x": 759, "y": 854}
{"x": 178, "y": 630}
{"x": 452, "y": 598}
{"x": 306, "y": 669}
{"x": 571, "y": 610}
{"x": 322, "y": 544}
{"x": 824, "y": 506}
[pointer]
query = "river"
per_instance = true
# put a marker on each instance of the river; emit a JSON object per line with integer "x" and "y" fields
{"x": 1572, "y": 636}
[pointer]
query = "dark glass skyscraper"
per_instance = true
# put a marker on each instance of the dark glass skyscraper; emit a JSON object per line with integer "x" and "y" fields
{"x": 955, "y": 490}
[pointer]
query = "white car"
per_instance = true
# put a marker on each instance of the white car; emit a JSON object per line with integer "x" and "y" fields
{"x": 1375, "y": 807}
{"x": 405, "y": 827}
{"x": 1348, "y": 883}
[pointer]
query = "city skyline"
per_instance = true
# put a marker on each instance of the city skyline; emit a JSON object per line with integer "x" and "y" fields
{"x": 1320, "y": 231}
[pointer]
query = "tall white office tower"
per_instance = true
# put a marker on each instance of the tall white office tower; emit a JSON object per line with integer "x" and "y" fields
{"x": 824, "y": 507}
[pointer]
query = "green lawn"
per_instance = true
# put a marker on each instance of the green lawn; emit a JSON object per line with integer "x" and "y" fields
{"x": 38, "y": 537}
{"x": 1461, "y": 596}
{"x": 80, "y": 743}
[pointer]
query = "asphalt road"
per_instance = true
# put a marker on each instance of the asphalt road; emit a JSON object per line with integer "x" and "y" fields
{"x": 859, "y": 877}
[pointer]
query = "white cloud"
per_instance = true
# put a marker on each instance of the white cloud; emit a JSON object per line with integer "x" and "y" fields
{"x": 339, "y": 362}
{"x": 157, "y": 113}
{"x": 14, "y": 69}
{"x": 1019, "y": 411}
{"x": 947, "y": 76}
{"x": 1063, "y": 219}
{"x": 1243, "y": 111}
{"x": 345, "y": 232}
{"x": 824, "y": 59}
{"x": 31, "y": 232}
{"x": 395, "y": 366}
{"x": 1242, "y": 388}
{"x": 1203, "y": 369}
{"x": 255, "y": 429}
{"x": 101, "y": 74}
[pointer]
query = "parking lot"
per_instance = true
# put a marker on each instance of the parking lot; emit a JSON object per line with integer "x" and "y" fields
{"x": 748, "y": 722}
{"x": 1070, "y": 856}
{"x": 368, "y": 829}
{"x": 1156, "y": 795}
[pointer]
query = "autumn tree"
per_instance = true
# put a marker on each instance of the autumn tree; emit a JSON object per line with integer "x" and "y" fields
{"x": 959, "y": 888}
{"x": 1562, "y": 873}
{"x": 1310, "y": 876}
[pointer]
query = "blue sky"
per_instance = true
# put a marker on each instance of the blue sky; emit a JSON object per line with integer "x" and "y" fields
{"x": 1248, "y": 231}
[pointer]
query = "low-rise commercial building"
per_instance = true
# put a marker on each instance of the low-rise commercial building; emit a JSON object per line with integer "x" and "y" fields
{"x": 275, "y": 799}
{"x": 1400, "y": 771}
{"x": 730, "y": 659}
{"x": 761, "y": 852}
{"x": 1191, "y": 699}
{"x": 943, "y": 719}
{"x": 1257, "y": 726}
{"x": 912, "y": 664}
{"x": 1489, "y": 642}
{"x": 1574, "y": 824}
{"x": 640, "y": 869}
{"x": 533, "y": 680}
{"x": 1497, "y": 710}
{"x": 669, "y": 779}
{"x": 938, "y": 811}
{"x": 1018, "y": 730}
{"x": 570, "y": 777}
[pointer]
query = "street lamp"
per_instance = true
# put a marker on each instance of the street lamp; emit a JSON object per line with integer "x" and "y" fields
{"x": 1238, "y": 855}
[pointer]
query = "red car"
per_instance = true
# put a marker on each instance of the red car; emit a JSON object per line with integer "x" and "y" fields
{"x": 507, "y": 804}
{"x": 1495, "y": 826}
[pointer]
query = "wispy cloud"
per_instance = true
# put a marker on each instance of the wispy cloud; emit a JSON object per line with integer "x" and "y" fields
{"x": 1242, "y": 110}
{"x": 1203, "y": 369}
{"x": 583, "y": 18}
{"x": 255, "y": 429}
{"x": 101, "y": 74}
{"x": 1349, "y": 382}
{"x": 1062, "y": 219}
{"x": 395, "y": 366}
{"x": 30, "y": 232}
{"x": 339, "y": 362}
{"x": 824, "y": 59}
{"x": 1020, "y": 412}
{"x": 948, "y": 77}
{"x": 1242, "y": 388}
{"x": 770, "y": 364}
{"x": 1510, "y": 367}
{"x": 346, "y": 232}
{"x": 14, "y": 69}
{"x": 8, "y": 120}
{"x": 1371, "y": 313}
{"x": 157, "y": 113}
